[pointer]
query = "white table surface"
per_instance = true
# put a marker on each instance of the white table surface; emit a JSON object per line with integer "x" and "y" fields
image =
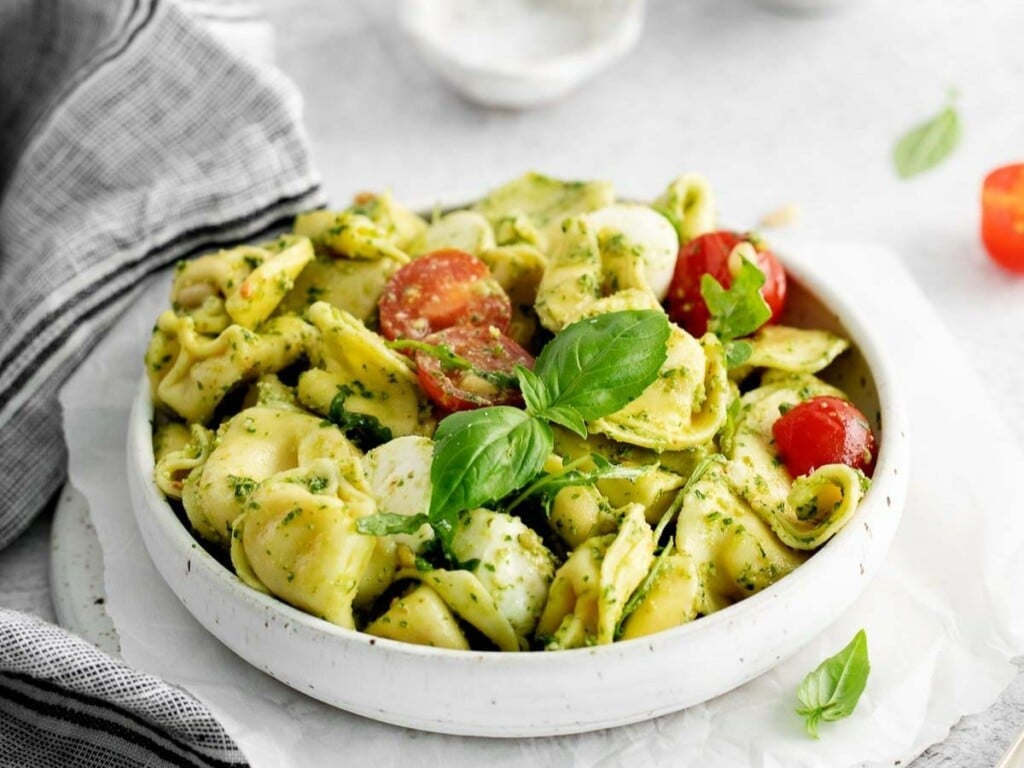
{"x": 773, "y": 109}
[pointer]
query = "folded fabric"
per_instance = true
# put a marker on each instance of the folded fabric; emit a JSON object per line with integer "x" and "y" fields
{"x": 62, "y": 703}
{"x": 130, "y": 139}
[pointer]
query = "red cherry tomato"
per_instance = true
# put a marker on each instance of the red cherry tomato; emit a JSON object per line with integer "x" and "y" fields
{"x": 709, "y": 255}
{"x": 460, "y": 389}
{"x": 824, "y": 430}
{"x": 1002, "y": 216}
{"x": 439, "y": 290}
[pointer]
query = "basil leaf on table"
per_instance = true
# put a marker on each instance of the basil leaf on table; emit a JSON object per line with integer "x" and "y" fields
{"x": 480, "y": 456}
{"x": 599, "y": 365}
{"x": 831, "y": 692}
{"x": 740, "y": 309}
{"x": 928, "y": 144}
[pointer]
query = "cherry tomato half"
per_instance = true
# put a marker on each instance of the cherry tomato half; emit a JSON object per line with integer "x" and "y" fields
{"x": 709, "y": 254}
{"x": 824, "y": 430}
{"x": 1002, "y": 216}
{"x": 439, "y": 290}
{"x": 491, "y": 381}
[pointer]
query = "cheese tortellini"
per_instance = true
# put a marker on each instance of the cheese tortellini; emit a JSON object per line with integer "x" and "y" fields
{"x": 297, "y": 442}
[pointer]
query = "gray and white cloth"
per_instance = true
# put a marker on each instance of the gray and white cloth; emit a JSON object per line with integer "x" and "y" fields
{"x": 129, "y": 138}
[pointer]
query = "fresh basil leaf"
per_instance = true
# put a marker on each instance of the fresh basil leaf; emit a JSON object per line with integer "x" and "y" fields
{"x": 388, "y": 523}
{"x": 928, "y": 144}
{"x": 831, "y": 692}
{"x": 566, "y": 416}
{"x": 481, "y": 456}
{"x": 739, "y": 310}
{"x": 535, "y": 394}
{"x": 737, "y": 353}
{"x": 598, "y": 365}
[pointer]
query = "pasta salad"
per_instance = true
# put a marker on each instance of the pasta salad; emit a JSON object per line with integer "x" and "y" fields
{"x": 547, "y": 420}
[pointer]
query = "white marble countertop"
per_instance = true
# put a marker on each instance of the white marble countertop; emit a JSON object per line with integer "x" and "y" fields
{"x": 773, "y": 109}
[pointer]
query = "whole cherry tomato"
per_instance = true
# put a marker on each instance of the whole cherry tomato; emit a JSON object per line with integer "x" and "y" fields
{"x": 490, "y": 381}
{"x": 824, "y": 430}
{"x": 709, "y": 255}
{"x": 1002, "y": 216}
{"x": 439, "y": 290}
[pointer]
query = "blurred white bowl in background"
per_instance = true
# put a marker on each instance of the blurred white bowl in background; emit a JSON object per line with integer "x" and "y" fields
{"x": 520, "y": 53}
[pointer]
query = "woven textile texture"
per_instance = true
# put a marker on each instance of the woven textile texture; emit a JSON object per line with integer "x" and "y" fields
{"x": 63, "y": 703}
{"x": 129, "y": 139}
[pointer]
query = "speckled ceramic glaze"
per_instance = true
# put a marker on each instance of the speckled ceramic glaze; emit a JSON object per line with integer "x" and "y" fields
{"x": 536, "y": 694}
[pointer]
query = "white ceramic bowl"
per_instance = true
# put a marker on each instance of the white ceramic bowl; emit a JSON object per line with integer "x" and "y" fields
{"x": 548, "y": 693}
{"x": 516, "y": 54}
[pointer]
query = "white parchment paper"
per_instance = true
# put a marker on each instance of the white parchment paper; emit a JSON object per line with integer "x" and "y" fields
{"x": 943, "y": 616}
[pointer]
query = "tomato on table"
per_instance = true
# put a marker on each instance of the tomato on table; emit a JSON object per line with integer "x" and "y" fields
{"x": 440, "y": 290}
{"x": 1002, "y": 216}
{"x": 709, "y": 254}
{"x": 824, "y": 430}
{"x": 491, "y": 380}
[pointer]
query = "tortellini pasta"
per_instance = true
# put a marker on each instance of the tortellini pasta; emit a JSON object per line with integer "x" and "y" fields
{"x": 297, "y": 442}
{"x": 804, "y": 512}
{"x": 355, "y": 371}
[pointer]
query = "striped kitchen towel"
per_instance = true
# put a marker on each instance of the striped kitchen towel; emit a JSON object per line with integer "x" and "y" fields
{"x": 129, "y": 138}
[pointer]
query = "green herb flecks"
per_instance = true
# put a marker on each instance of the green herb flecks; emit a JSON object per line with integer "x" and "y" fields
{"x": 831, "y": 691}
{"x": 928, "y": 144}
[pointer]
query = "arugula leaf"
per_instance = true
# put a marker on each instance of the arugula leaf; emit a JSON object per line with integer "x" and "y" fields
{"x": 549, "y": 484}
{"x": 451, "y": 361}
{"x": 598, "y": 365}
{"x": 927, "y": 144}
{"x": 645, "y": 587}
{"x": 831, "y": 692}
{"x": 480, "y": 456}
{"x": 739, "y": 310}
{"x": 387, "y": 523}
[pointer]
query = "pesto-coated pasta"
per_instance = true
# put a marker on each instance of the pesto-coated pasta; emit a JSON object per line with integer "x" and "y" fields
{"x": 298, "y": 443}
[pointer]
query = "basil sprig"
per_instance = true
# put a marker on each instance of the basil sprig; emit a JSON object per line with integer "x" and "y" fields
{"x": 926, "y": 145}
{"x": 597, "y": 366}
{"x": 590, "y": 370}
{"x": 831, "y": 692}
{"x": 736, "y": 311}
